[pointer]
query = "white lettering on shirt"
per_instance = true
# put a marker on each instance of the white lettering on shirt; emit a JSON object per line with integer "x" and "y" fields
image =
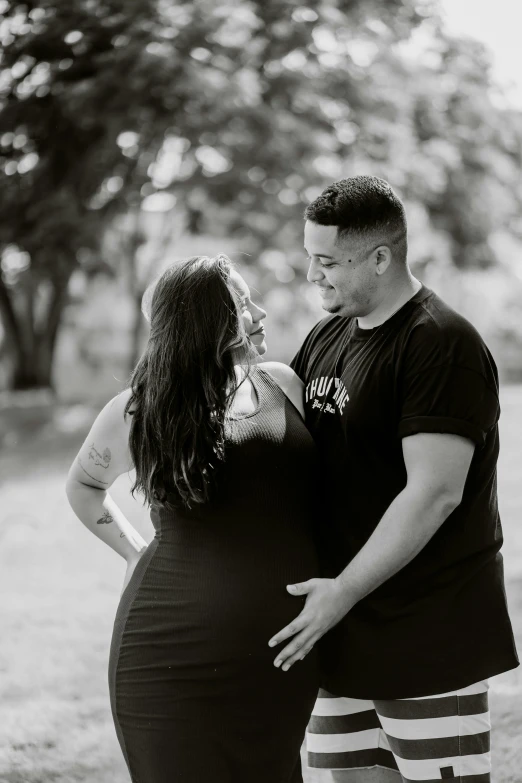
{"x": 321, "y": 387}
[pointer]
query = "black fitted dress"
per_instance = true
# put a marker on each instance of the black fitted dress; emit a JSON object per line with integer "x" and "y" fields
{"x": 194, "y": 693}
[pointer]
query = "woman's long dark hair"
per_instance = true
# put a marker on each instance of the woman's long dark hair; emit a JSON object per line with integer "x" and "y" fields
{"x": 183, "y": 384}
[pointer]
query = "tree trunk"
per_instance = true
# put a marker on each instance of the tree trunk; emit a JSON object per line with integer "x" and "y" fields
{"x": 33, "y": 369}
{"x": 32, "y": 360}
{"x": 9, "y": 319}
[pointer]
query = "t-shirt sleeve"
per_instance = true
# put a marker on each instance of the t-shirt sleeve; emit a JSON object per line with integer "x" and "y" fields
{"x": 312, "y": 346}
{"x": 450, "y": 397}
{"x": 299, "y": 363}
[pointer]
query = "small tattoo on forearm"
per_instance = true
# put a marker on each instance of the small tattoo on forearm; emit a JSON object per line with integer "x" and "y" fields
{"x": 102, "y": 460}
{"x": 122, "y": 535}
{"x": 106, "y": 519}
{"x": 88, "y": 474}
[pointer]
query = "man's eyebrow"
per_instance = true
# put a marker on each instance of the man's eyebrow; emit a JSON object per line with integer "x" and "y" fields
{"x": 320, "y": 255}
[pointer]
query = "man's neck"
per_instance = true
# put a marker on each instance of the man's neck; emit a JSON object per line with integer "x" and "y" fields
{"x": 395, "y": 298}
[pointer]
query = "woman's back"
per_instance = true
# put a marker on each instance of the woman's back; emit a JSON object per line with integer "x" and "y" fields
{"x": 210, "y": 591}
{"x": 194, "y": 691}
{"x": 266, "y": 484}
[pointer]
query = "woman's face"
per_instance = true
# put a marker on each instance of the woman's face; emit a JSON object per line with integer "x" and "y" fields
{"x": 253, "y": 315}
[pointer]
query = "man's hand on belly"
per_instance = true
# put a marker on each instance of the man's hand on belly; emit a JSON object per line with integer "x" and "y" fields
{"x": 326, "y": 604}
{"x": 437, "y": 465}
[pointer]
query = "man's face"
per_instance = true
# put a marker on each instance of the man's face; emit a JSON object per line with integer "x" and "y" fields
{"x": 343, "y": 273}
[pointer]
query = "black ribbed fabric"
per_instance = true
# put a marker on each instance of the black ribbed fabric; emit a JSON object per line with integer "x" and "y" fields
{"x": 194, "y": 693}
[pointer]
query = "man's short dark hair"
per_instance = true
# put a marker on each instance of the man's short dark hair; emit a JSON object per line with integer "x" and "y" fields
{"x": 362, "y": 207}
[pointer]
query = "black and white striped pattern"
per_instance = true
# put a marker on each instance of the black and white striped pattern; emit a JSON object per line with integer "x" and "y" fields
{"x": 427, "y": 739}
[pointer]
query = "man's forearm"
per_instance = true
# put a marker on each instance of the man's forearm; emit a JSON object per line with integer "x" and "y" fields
{"x": 406, "y": 527}
{"x": 100, "y": 514}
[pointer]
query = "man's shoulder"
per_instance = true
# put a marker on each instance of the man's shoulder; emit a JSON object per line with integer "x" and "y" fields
{"x": 439, "y": 317}
{"x": 435, "y": 319}
{"x": 325, "y": 328}
{"x": 437, "y": 333}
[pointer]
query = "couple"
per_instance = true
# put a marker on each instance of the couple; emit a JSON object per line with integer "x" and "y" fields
{"x": 358, "y": 553}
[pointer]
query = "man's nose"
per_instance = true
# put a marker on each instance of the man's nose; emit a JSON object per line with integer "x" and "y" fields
{"x": 315, "y": 273}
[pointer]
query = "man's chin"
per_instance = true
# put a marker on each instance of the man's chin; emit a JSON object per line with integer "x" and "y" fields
{"x": 333, "y": 309}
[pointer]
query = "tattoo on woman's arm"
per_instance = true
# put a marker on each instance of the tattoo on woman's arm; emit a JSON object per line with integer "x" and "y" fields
{"x": 106, "y": 519}
{"x": 88, "y": 474}
{"x": 103, "y": 460}
{"x": 122, "y": 535}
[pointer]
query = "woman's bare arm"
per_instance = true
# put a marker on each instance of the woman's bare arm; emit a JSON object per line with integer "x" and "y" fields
{"x": 103, "y": 457}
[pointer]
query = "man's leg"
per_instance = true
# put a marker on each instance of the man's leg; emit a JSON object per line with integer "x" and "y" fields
{"x": 442, "y": 737}
{"x": 346, "y": 743}
{"x": 368, "y": 775}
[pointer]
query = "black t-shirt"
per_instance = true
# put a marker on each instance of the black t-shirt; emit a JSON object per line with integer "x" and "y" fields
{"x": 441, "y": 622}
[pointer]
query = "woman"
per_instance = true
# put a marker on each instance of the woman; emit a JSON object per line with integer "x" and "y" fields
{"x": 224, "y": 459}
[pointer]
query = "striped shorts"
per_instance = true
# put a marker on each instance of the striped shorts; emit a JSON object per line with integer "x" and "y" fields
{"x": 442, "y": 737}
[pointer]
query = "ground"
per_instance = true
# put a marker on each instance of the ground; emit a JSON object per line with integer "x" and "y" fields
{"x": 60, "y": 588}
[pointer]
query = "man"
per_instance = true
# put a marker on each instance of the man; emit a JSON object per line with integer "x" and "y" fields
{"x": 402, "y": 399}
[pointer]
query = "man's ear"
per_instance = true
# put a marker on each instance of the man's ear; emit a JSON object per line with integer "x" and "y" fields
{"x": 383, "y": 258}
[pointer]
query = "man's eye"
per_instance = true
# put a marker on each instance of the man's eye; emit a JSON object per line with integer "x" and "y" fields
{"x": 321, "y": 263}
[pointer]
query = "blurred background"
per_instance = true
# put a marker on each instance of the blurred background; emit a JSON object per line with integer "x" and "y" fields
{"x": 137, "y": 132}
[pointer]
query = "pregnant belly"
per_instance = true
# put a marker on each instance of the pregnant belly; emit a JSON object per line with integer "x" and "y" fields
{"x": 210, "y": 609}
{"x": 195, "y": 632}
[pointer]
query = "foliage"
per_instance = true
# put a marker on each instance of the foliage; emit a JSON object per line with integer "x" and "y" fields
{"x": 238, "y": 113}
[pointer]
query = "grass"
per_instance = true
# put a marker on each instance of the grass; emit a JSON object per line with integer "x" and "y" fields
{"x": 60, "y": 588}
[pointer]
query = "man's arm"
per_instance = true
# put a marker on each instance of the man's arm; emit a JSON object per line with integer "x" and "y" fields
{"x": 437, "y": 465}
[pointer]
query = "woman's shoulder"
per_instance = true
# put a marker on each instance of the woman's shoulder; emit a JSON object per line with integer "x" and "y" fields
{"x": 115, "y": 413}
{"x": 282, "y": 373}
{"x": 287, "y": 380}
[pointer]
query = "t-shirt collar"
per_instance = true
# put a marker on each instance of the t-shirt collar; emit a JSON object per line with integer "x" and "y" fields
{"x": 365, "y": 334}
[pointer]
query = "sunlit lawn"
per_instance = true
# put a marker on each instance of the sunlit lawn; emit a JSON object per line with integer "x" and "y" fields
{"x": 59, "y": 592}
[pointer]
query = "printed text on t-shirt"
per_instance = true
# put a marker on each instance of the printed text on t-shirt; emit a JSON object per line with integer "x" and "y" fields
{"x": 321, "y": 389}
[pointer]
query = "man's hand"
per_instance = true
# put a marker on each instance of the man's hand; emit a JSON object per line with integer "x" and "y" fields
{"x": 326, "y": 604}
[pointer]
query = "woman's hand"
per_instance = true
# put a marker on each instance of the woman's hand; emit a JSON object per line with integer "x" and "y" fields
{"x": 132, "y": 562}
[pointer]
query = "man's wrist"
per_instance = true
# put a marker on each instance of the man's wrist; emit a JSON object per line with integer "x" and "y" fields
{"x": 348, "y": 592}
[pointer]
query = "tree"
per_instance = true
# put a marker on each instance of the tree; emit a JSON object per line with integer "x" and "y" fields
{"x": 137, "y": 244}
{"x": 90, "y": 91}
{"x": 58, "y": 146}
{"x": 240, "y": 110}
